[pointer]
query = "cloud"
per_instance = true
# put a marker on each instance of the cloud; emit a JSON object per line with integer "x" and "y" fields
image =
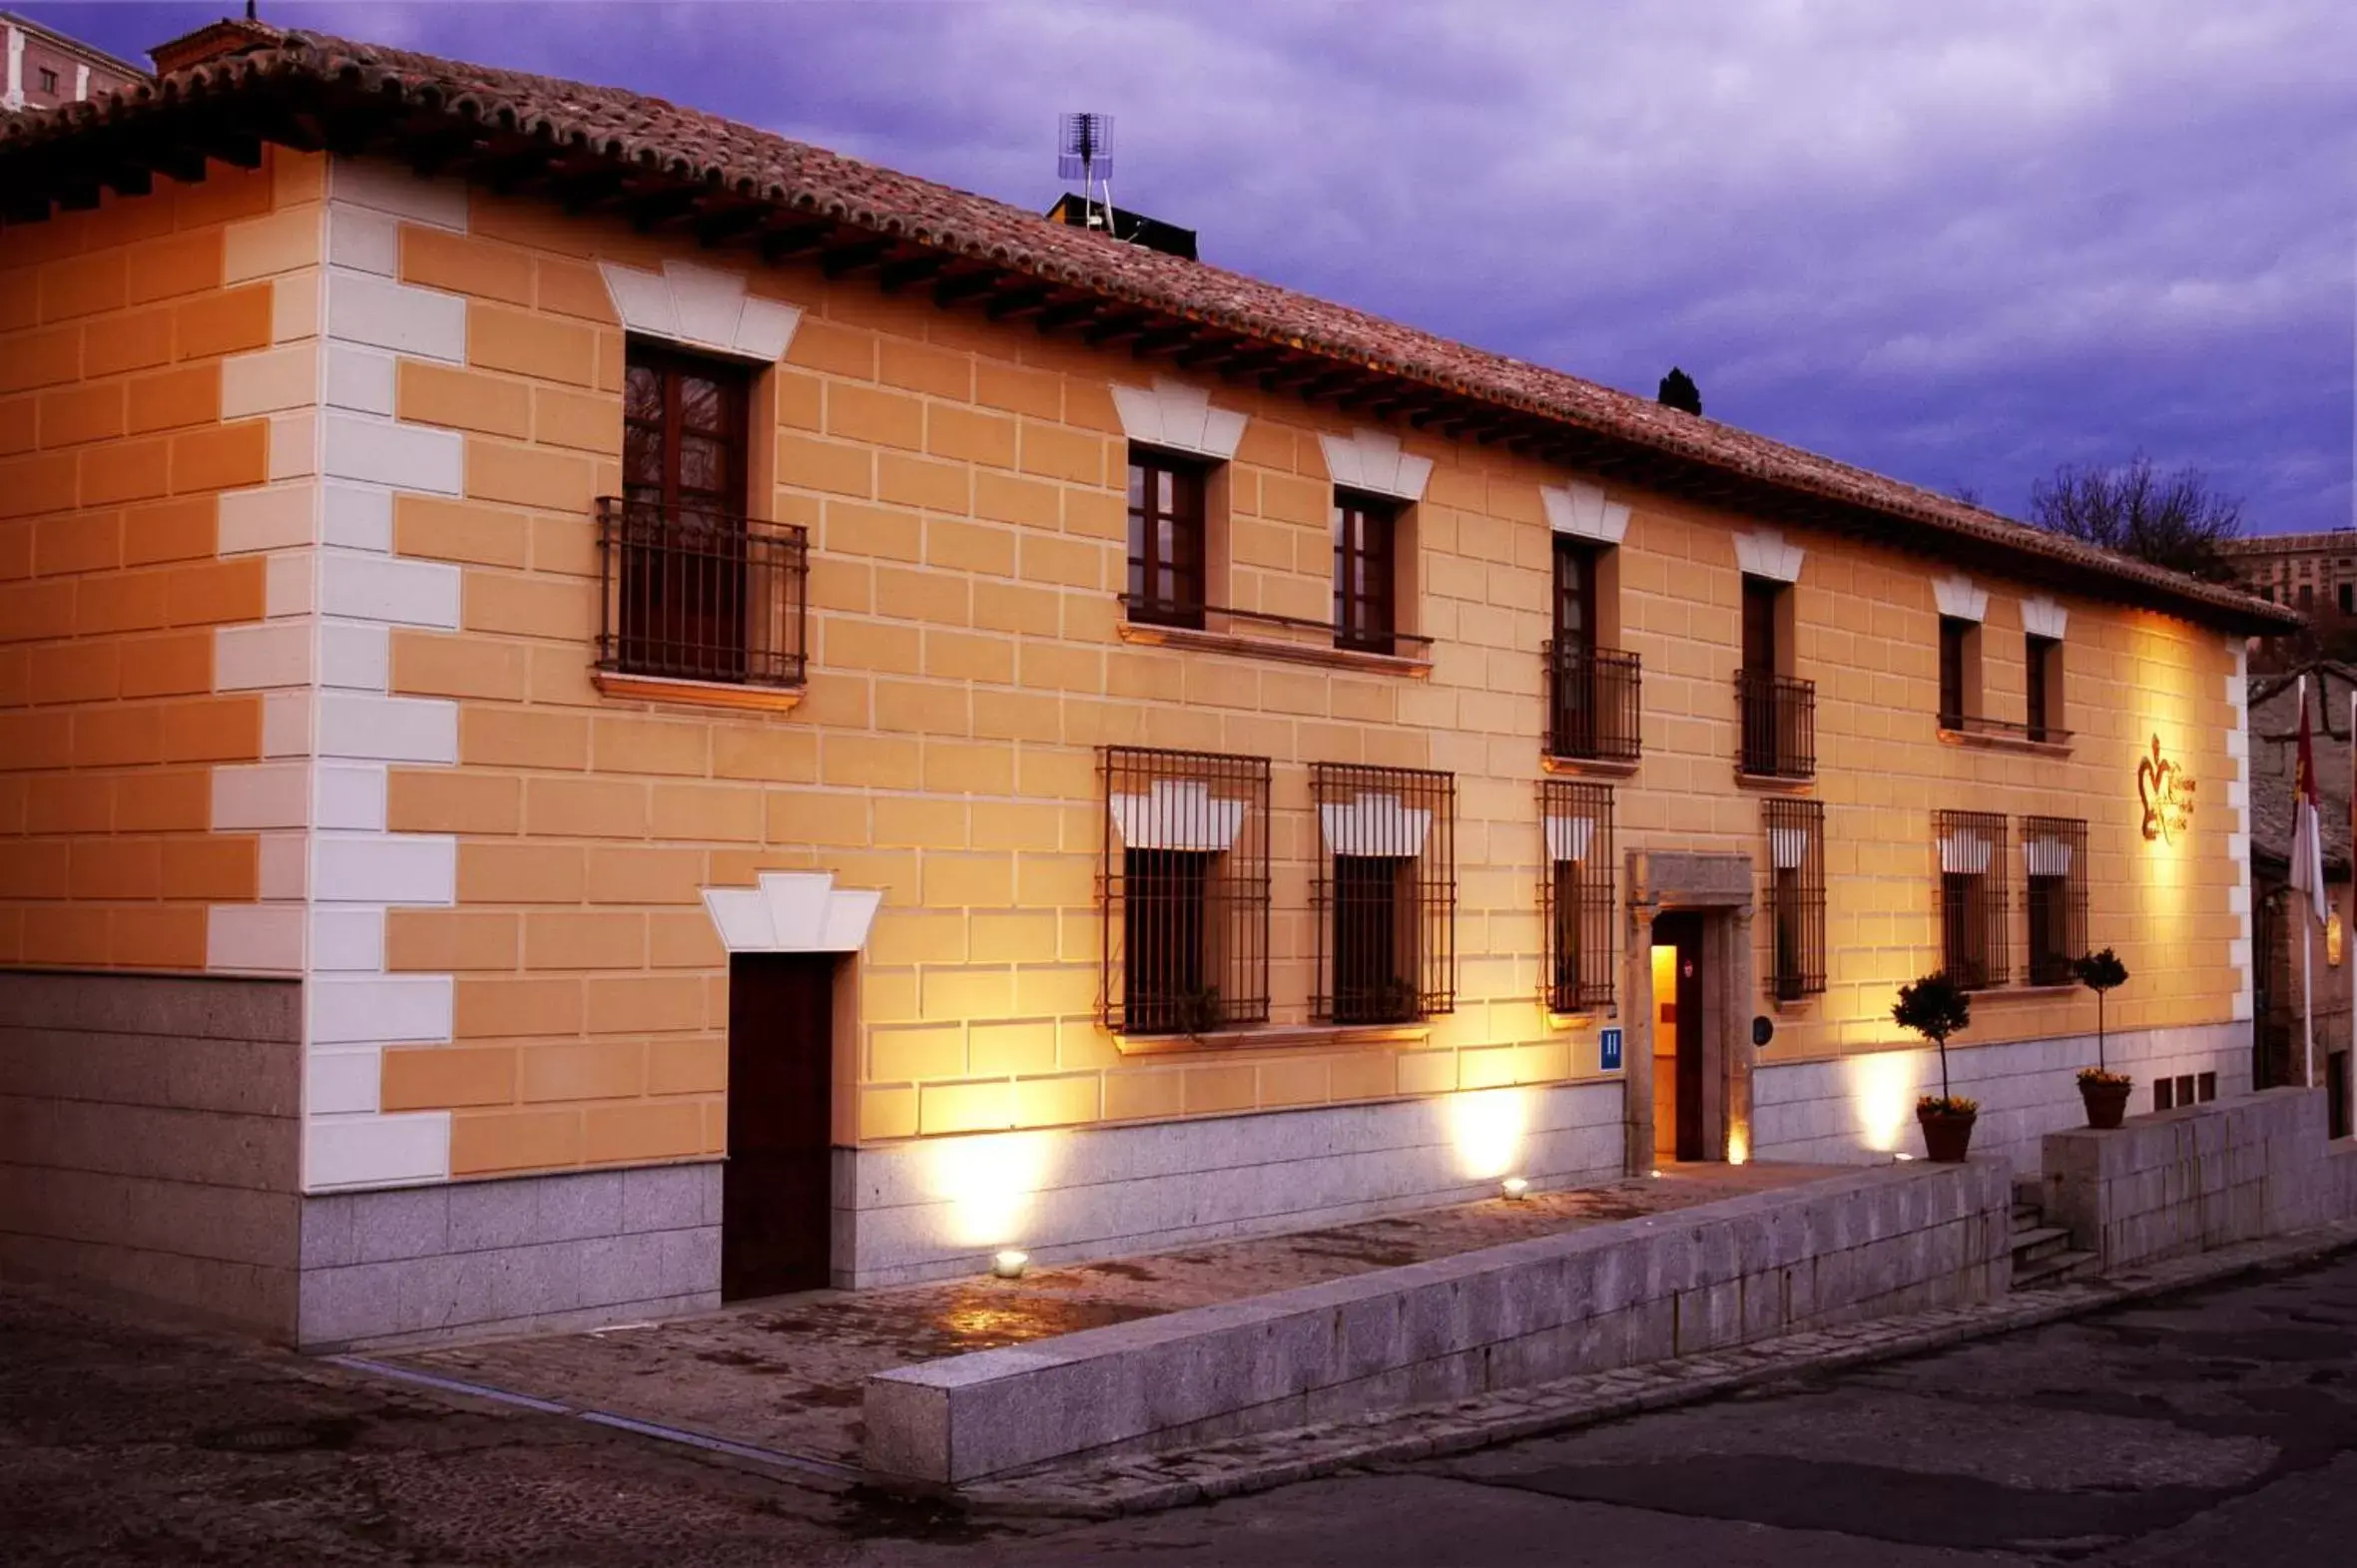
{"x": 1960, "y": 244}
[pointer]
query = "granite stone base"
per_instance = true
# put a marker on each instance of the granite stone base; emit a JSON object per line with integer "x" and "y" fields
{"x": 929, "y": 1209}
{"x": 528, "y": 1254}
{"x": 150, "y": 1139}
{"x": 1861, "y": 1108}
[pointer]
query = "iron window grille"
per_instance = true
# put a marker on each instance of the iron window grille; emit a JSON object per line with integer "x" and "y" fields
{"x": 1365, "y": 573}
{"x": 1166, "y": 539}
{"x": 1796, "y": 895}
{"x": 2054, "y": 850}
{"x": 1184, "y": 868}
{"x": 1577, "y": 895}
{"x": 1384, "y": 893}
{"x": 1592, "y": 699}
{"x": 1779, "y": 724}
{"x": 1972, "y": 898}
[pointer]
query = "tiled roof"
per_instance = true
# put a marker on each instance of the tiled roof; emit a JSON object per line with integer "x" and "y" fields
{"x": 654, "y": 136}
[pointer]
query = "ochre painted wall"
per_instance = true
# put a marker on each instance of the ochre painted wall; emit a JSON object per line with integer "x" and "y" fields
{"x": 117, "y": 440}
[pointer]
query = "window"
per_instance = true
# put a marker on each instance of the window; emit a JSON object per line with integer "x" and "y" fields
{"x": 1955, "y": 670}
{"x": 2308, "y": 596}
{"x": 1778, "y": 712}
{"x": 1575, "y": 895}
{"x": 2054, "y": 851}
{"x": 1796, "y": 895}
{"x": 694, "y": 589}
{"x": 1972, "y": 898}
{"x": 1366, "y": 572}
{"x": 2043, "y": 670}
{"x": 1166, "y": 529}
{"x": 1384, "y": 893}
{"x": 48, "y": 79}
{"x": 1593, "y": 692}
{"x": 2347, "y": 595}
{"x": 1185, "y": 870}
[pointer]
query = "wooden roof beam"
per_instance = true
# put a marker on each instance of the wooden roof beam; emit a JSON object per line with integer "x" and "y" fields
{"x": 1162, "y": 340}
{"x": 898, "y": 275}
{"x": 1116, "y": 323}
{"x": 1067, "y": 313}
{"x": 958, "y": 287}
{"x": 857, "y": 256}
{"x": 781, "y": 240}
{"x": 721, "y": 221}
{"x": 1008, "y": 304}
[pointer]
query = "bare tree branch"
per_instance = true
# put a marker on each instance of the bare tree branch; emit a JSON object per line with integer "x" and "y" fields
{"x": 2173, "y": 519}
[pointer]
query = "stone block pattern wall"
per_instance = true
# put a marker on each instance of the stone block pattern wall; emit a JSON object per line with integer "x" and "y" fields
{"x": 961, "y": 482}
{"x": 928, "y": 1209}
{"x": 1888, "y": 1241}
{"x": 153, "y": 378}
{"x": 1861, "y": 1107}
{"x": 2198, "y": 1178}
{"x": 150, "y": 1131}
{"x": 407, "y": 1265}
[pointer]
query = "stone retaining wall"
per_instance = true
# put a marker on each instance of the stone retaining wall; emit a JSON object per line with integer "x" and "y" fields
{"x": 1894, "y": 1238}
{"x": 2200, "y": 1177}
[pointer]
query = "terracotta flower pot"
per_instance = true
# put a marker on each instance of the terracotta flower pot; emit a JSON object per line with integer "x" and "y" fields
{"x": 2105, "y": 1103}
{"x": 1948, "y": 1134}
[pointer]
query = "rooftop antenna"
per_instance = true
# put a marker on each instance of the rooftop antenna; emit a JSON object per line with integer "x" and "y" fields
{"x": 1085, "y": 152}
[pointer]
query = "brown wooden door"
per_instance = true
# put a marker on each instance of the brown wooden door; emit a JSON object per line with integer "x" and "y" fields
{"x": 776, "y": 1190}
{"x": 1684, "y": 933}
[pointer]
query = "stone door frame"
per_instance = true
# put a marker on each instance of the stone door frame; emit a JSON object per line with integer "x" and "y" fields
{"x": 1721, "y": 888}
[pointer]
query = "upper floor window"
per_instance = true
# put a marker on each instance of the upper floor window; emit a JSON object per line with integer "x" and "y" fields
{"x": 1185, "y": 944}
{"x": 48, "y": 79}
{"x": 1972, "y": 898}
{"x": 1384, "y": 893}
{"x": 1366, "y": 572}
{"x": 2041, "y": 659}
{"x": 1166, "y": 539}
{"x": 694, "y": 589}
{"x": 2346, "y": 593}
{"x": 1779, "y": 711}
{"x": 1593, "y": 689}
{"x": 2054, "y": 849}
{"x": 1959, "y": 669}
{"x": 1576, "y": 893}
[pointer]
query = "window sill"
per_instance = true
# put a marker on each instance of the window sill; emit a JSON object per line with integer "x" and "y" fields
{"x": 2005, "y": 993}
{"x": 697, "y": 694}
{"x": 1591, "y": 766}
{"x": 1271, "y": 1037}
{"x": 1152, "y": 635}
{"x": 1796, "y": 784}
{"x": 1987, "y": 741}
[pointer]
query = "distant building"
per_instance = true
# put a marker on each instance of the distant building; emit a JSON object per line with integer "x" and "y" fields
{"x": 46, "y": 68}
{"x": 2305, "y": 571}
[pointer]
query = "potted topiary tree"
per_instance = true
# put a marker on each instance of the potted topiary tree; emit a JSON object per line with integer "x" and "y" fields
{"x": 2104, "y": 1091}
{"x": 1937, "y": 1007}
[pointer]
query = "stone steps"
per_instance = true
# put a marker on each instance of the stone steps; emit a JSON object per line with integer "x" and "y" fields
{"x": 2042, "y": 1254}
{"x": 2053, "y": 1269}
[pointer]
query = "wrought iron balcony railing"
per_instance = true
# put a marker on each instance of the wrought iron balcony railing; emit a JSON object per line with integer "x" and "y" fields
{"x": 691, "y": 594}
{"x": 1779, "y": 714}
{"x": 1592, "y": 703}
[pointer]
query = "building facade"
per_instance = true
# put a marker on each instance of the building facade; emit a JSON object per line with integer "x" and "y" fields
{"x": 46, "y": 68}
{"x": 589, "y": 729}
{"x": 2310, "y": 572}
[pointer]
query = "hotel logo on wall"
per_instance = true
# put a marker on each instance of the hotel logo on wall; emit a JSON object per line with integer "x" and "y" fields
{"x": 2167, "y": 794}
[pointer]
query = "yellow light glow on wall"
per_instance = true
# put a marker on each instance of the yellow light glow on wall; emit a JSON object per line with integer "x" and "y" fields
{"x": 1486, "y": 1126}
{"x": 1883, "y": 1088}
{"x": 1738, "y": 1146}
{"x": 2333, "y": 939}
{"x": 989, "y": 1182}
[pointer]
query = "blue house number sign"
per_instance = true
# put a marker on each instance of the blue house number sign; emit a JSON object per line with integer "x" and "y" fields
{"x": 1612, "y": 1042}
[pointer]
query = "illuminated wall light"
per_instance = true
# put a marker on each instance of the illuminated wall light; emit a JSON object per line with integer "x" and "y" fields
{"x": 1883, "y": 1088}
{"x": 1738, "y": 1146}
{"x": 1514, "y": 1188}
{"x": 989, "y": 1182}
{"x": 1010, "y": 1264}
{"x": 1486, "y": 1127}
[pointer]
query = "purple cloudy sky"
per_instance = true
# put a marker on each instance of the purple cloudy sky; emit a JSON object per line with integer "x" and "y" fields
{"x": 1960, "y": 244}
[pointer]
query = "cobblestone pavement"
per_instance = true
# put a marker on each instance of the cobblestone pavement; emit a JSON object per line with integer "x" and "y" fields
{"x": 2214, "y": 1425}
{"x": 786, "y": 1376}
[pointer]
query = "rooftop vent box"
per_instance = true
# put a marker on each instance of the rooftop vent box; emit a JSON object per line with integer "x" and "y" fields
{"x": 1125, "y": 226}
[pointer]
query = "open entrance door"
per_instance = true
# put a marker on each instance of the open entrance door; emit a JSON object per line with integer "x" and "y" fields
{"x": 1679, "y": 1039}
{"x": 776, "y": 1207}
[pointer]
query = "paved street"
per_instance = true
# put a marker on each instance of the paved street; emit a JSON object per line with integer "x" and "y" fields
{"x": 2218, "y": 1426}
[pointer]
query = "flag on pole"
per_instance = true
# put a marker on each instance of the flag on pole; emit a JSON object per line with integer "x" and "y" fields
{"x": 2307, "y": 834}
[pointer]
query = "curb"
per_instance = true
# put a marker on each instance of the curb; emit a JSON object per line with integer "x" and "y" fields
{"x": 1150, "y": 1482}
